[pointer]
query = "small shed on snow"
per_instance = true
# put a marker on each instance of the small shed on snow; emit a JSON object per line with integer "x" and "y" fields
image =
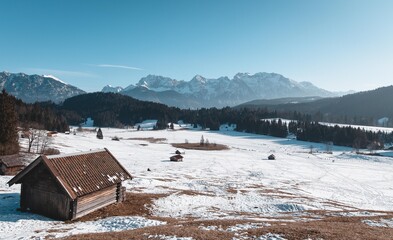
{"x": 10, "y": 166}
{"x": 69, "y": 186}
{"x": 176, "y": 158}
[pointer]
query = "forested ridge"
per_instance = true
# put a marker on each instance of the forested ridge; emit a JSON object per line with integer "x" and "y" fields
{"x": 363, "y": 108}
{"x": 43, "y": 115}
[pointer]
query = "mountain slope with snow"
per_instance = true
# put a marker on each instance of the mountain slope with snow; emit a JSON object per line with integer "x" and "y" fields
{"x": 36, "y": 88}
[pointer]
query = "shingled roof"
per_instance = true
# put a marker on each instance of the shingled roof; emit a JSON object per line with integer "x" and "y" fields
{"x": 81, "y": 173}
{"x": 14, "y": 162}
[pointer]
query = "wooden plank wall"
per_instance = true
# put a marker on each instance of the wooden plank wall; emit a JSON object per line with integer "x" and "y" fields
{"x": 41, "y": 194}
{"x": 96, "y": 200}
{"x": 120, "y": 193}
{"x": 53, "y": 205}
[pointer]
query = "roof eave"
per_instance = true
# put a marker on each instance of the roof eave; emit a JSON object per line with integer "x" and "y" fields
{"x": 56, "y": 175}
{"x": 125, "y": 170}
{"x": 22, "y": 173}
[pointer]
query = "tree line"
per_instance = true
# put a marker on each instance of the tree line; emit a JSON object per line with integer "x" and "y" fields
{"x": 8, "y": 125}
{"x": 16, "y": 114}
{"x": 115, "y": 110}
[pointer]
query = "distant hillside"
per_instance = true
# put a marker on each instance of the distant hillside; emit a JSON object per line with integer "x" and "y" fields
{"x": 368, "y": 106}
{"x": 37, "y": 88}
{"x": 111, "y": 109}
{"x": 374, "y": 103}
{"x": 167, "y": 97}
{"x": 278, "y": 101}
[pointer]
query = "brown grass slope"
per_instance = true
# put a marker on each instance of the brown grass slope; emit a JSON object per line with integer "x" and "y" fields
{"x": 138, "y": 204}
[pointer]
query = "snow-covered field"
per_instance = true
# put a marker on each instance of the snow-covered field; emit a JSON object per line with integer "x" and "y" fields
{"x": 366, "y": 128}
{"x": 239, "y": 183}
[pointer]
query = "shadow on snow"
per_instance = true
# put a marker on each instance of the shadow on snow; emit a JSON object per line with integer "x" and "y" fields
{"x": 9, "y": 205}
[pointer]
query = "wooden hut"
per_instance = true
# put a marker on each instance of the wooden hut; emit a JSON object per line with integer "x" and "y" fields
{"x": 271, "y": 157}
{"x": 66, "y": 187}
{"x": 176, "y": 158}
{"x": 10, "y": 166}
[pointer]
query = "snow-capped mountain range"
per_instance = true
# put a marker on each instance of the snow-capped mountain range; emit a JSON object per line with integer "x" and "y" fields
{"x": 37, "y": 88}
{"x": 203, "y": 92}
{"x": 197, "y": 93}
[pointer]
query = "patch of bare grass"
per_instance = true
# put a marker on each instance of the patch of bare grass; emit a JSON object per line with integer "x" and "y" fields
{"x": 198, "y": 146}
{"x": 350, "y": 228}
{"x": 339, "y": 205}
{"x": 195, "y": 193}
{"x": 136, "y": 204}
{"x": 186, "y": 192}
{"x": 164, "y": 179}
{"x": 157, "y": 232}
{"x": 318, "y": 225}
{"x": 232, "y": 190}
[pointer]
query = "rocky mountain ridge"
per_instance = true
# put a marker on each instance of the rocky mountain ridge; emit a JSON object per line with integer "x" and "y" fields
{"x": 220, "y": 92}
{"x": 37, "y": 88}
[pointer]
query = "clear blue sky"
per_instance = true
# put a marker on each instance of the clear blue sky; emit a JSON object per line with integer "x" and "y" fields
{"x": 335, "y": 44}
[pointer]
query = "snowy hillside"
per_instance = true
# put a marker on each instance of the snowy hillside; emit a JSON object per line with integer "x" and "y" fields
{"x": 239, "y": 183}
{"x": 33, "y": 88}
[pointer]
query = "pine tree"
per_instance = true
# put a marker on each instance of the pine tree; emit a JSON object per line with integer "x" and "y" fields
{"x": 202, "y": 141}
{"x": 8, "y": 125}
{"x": 99, "y": 134}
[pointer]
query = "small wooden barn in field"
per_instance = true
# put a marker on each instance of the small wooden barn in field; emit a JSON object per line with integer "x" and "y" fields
{"x": 69, "y": 186}
{"x": 271, "y": 157}
{"x": 10, "y": 166}
{"x": 176, "y": 158}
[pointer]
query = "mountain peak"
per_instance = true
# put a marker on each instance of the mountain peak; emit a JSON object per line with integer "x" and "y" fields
{"x": 199, "y": 78}
{"x": 157, "y": 83}
{"x": 54, "y": 78}
{"x": 5, "y": 73}
{"x": 109, "y": 88}
{"x": 241, "y": 75}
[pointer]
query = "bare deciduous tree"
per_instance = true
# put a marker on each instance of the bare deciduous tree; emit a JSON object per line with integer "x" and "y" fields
{"x": 311, "y": 149}
{"x": 37, "y": 138}
{"x": 329, "y": 147}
